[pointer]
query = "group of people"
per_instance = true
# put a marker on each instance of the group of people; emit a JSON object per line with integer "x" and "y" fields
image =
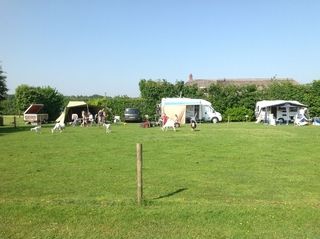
{"x": 164, "y": 119}
{"x": 101, "y": 116}
{"x": 87, "y": 118}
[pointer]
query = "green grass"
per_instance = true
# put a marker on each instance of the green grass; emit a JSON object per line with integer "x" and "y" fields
{"x": 8, "y": 120}
{"x": 237, "y": 180}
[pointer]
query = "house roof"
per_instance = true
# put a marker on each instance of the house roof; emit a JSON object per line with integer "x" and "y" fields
{"x": 259, "y": 82}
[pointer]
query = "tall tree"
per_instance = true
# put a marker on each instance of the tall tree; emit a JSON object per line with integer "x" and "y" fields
{"x": 26, "y": 95}
{"x": 53, "y": 101}
{"x": 224, "y": 97}
{"x": 8, "y": 106}
{"x": 312, "y": 99}
{"x": 155, "y": 90}
{"x": 3, "y": 85}
{"x": 284, "y": 91}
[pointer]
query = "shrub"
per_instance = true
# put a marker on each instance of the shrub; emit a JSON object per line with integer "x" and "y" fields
{"x": 117, "y": 105}
{"x": 239, "y": 114}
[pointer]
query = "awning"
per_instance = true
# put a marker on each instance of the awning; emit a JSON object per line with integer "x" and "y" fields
{"x": 270, "y": 103}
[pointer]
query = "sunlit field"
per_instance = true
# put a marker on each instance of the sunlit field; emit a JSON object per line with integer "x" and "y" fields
{"x": 237, "y": 180}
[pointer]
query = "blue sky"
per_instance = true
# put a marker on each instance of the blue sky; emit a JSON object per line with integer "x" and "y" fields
{"x": 85, "y": 47}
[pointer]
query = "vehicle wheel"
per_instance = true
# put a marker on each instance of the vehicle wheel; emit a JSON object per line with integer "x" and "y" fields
{"x": 215, "y": 120}
{"x": 281, "y": 121}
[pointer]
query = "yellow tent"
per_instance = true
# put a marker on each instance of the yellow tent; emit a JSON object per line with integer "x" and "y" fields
{"x": 73, "y": 107}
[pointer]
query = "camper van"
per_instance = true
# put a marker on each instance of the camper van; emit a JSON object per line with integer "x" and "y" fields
{"x": 185, "y": 109}
{"x": 283, "y": 111}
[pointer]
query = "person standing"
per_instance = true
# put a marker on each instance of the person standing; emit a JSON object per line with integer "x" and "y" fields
{"x": 164, "y": 119}
{"x": 100, "y": 116}
{"x": 84, "y": 118}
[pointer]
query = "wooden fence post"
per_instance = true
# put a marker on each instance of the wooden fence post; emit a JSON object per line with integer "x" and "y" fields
{"x": 139, "y": 174}
{"x": 14, "y": 122}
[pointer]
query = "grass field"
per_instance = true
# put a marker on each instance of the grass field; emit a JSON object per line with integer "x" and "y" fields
{"x": 237, "y": 180}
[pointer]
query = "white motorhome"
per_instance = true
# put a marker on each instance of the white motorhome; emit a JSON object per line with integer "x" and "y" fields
{"x": 281, "y": 110}
{"x": 186, "y": 108}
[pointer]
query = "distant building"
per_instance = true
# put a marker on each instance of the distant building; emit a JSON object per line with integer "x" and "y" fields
{"x": 259, "y": 82}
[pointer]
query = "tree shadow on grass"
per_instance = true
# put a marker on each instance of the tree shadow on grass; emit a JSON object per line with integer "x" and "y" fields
{"x": 171, "y": 193}
{"x": 9, "y": 130}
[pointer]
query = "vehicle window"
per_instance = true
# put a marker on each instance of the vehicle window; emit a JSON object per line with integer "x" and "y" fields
{"x": 282, "y": 109}
{"x": 132, "y": 111}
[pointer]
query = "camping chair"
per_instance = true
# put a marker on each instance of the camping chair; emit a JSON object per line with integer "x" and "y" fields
{"x": 91, "y": 120}
{"x": 193, "y": 122}
{"x": 194, "y": 118}
{"x": 147, "y": 122}
{"x": 272, "y": 120}
{"x": 74, "y": 118}
{"x": 300, "y": 120}
{"x": 117, "y": 119}
{"x": 316, "y": 121}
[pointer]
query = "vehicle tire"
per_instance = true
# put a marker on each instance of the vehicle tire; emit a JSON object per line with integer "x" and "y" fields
{"x": 281, "y": 121}
{"x": 215, "y": 120}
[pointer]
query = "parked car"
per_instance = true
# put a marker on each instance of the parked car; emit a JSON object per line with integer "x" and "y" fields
{"x": 132, "y": 115}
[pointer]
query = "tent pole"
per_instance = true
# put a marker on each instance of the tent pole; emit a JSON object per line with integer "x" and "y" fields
{"x": 287, "y": 111}
{"x": 265, "y": 114}
{"x": 200, "y": 112}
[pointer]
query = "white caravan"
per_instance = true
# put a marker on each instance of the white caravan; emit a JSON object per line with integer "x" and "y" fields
{"x": 185, "y": 108}
{"x": 280, "y": 110}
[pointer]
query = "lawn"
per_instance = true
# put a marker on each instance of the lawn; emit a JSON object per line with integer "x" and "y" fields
{"x": 237, "y": 180}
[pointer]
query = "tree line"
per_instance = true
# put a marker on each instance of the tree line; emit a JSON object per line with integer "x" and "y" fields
{"x": 236, "y": 103}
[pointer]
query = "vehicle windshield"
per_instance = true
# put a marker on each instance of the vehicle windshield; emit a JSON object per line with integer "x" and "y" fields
{"x": 132, "y": 111}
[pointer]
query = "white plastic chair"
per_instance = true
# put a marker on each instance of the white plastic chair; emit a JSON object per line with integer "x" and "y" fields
{"x": 117, "y": 119}
{"x": 272, "y": 120}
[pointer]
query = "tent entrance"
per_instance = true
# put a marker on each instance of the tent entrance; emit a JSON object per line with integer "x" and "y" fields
{"x": 76, "y": 107}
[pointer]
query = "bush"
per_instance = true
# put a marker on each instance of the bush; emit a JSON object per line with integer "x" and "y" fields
{"x": 117, "y": 105}
{"x": 239, "y": 114}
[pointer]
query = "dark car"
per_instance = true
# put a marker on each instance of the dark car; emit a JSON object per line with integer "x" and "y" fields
{"x": 132, "y": 115}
